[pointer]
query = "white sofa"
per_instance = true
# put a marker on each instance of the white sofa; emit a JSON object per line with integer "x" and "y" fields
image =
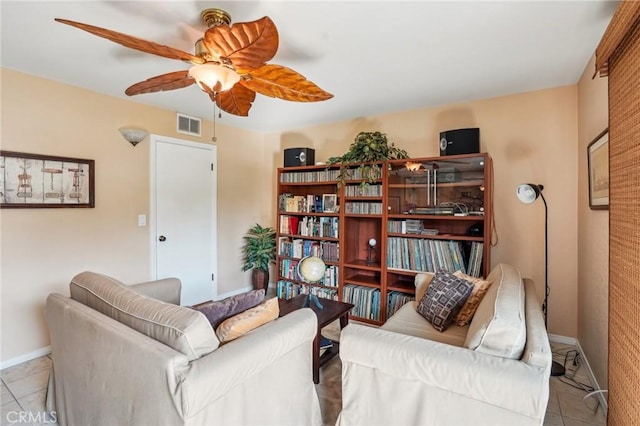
{"x": 130, "y": 355}
{"x": 407, "y": 373}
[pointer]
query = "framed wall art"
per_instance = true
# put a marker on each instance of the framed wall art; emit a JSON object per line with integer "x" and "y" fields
{"x": 598, "y": 165}
{"x": 36, "y": 181}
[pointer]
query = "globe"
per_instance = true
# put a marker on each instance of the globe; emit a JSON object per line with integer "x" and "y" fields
{"x": 311, "y": 269}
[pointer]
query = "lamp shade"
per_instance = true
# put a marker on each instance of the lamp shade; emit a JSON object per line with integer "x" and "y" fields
{"x": 528, "y": 192}
{"x": 209, "y": 75}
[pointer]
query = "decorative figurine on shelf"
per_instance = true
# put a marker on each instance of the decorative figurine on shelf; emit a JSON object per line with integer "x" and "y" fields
{"x": 371, "y": 258}
{"x": 311, "y": 269}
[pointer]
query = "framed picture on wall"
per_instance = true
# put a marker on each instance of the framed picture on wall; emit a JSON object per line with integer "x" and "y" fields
{"x": 35, "y": 181}
{"x": 598, "y": 165}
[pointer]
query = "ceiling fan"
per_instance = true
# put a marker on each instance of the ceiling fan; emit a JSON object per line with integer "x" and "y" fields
{"x": 229, "y": 64}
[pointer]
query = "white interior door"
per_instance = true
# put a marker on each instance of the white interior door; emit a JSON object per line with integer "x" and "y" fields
{"x": 183, "y": 215}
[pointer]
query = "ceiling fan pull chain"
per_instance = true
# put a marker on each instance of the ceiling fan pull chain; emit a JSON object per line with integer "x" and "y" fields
{"x": 214, "y": 138}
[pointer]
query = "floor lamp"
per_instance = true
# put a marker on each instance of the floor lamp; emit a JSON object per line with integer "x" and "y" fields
{"x": 528, "y": 193}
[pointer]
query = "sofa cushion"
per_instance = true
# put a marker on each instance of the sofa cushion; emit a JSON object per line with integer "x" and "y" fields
{"x": 219, "y": 310}
{"x": 244, "y": 322}
{"x": 179, "y": 327}
{"x": 408, "y": 321}
{"x": 443, "y": 299}
{"x": 480, "y": 288}
{"x": 498, "y": 327}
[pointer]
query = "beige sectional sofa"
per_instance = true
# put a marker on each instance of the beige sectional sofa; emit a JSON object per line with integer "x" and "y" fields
{"x": 494, "y": 371}
{"x": 130, "y": 355}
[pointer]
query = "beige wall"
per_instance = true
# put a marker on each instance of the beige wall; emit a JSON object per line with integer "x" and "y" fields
{"x": 593, "y": 232}
{"x": 43, "y": 248}
{"x": 532, "y": 137}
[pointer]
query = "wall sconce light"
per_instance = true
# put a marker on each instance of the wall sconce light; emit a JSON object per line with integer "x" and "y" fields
{"x": 133, "y": 136}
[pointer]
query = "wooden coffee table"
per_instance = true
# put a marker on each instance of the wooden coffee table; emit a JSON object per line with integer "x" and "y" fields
{"x": 331, "y": 311}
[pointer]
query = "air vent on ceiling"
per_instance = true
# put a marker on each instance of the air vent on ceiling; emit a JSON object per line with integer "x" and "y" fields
{"x": 188, "y": 125}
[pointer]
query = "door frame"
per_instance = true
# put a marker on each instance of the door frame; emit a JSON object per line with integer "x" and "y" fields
{"x": 153, "y": 252}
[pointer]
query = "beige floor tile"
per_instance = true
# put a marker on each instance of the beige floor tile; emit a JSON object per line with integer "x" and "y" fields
{"x": 574, "y": 407}
{"x": 553, "y": 419}
{"x": 34, "y": 402}
{"x": 5, "y": 396}
{"x": 575, "y": 422}
{"x": 19, "y": 371}
{"x": 10, "y": 413}
{"x": 29, "y": 384}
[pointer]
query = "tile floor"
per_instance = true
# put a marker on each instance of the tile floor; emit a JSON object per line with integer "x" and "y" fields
{"x": 24, "y": 391}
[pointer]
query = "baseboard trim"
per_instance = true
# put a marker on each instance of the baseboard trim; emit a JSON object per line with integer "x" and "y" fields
{"x": 592, "y": 377}
{"x": 25, "y": 357}
{"x": 235, "y": 292}
{"x": 555, "y": 338}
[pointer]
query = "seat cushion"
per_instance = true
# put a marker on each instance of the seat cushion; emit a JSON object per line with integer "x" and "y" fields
{"x": 409, "y": 322}
{"x": 498, "y": 326}
{"x": 184, "y": 329}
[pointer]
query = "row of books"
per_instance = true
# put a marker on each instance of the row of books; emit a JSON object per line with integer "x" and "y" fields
{"x": 431, "y": 255}
{"x": 313, "y": 226}
{"x": 309, "y": 203}
{"x": 363, "y": 208}
{"x": 475, "y": 260}
{"x": 395, "y": 300}
{"x": 310, "y": 176}
{"x": 365, "y": 299}
{"x": 409, "y": 226}
{"x": 287, "y": 290}
{"x": 363, "y": 190}
{"x": 326, "y": 250}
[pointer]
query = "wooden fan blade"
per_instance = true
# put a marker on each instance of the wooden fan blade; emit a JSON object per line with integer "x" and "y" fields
{"x": 136, "y": 43}
{"x": 236, "y": 101}
{"x": 284, "y": 83}
{"x": 169, "y": 81}
{"x": 248, "y": 45}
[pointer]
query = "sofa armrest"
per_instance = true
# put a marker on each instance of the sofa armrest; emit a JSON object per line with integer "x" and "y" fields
{"x": 394, "y": 357}
{"x": 214, "y": 375}
{"x": 166, "y": 290}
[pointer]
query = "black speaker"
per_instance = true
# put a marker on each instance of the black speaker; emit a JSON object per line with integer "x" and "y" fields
{"x": 299, "y": 157}
{"x": 460, "y": 141}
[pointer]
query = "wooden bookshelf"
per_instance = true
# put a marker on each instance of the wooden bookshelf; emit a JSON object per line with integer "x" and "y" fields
{"x": 447, "y": 197}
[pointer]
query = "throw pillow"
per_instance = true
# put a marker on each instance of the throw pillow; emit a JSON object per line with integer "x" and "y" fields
{"x": 480, "y": 288}
{"x": 241, "y": 324}
{"x": 443, "y": 299}
{"x": 220, "y": 310}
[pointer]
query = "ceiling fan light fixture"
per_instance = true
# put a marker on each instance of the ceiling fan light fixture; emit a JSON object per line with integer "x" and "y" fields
{"x": 209, "y": 75}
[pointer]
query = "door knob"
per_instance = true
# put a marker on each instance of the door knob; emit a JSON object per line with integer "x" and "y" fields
{"x": 162, "y": 238}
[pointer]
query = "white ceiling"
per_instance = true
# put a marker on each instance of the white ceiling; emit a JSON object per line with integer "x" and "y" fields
{"x": 373, "y": 56}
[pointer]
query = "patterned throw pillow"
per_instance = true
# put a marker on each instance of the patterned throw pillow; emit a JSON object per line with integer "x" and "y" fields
{"x": 219, "y": 310}
{"x": 480, "y": 288}
{"x": 443, "y": 299}
{"x": 241, "y": 324}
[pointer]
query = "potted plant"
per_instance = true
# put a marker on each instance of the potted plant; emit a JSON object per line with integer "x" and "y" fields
{"x": 258, "y": 251}
{"x": 367, "y": 149}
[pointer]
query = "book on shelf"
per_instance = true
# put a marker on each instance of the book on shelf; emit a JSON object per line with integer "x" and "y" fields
{"x": 422, "y": 254}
